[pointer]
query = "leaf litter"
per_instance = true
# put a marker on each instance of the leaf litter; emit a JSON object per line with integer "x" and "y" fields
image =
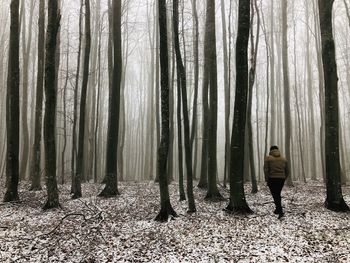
{"x": 122, "y": 229}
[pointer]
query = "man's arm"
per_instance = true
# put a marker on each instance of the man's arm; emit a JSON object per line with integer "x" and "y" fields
{"x": 266, "y": 169}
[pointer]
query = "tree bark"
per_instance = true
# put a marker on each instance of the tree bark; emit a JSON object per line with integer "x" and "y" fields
{"x": 36, "y": 155}
{"x": 183, "y": 92}
{"x": 334, "y": 199}
{"x": 238, "y": 202}
{"x": 213, "y": 191}
{"x": 111, "y": 187}
{"x": 75, "y": 109}
{"x": 286, "y": 85}
{"x": 26, "y": 46}
{"x": 12, "y": 108}
{"x": 166, "y": 209}
{"x": 251, "y": 81}
{"x": 50, "y": 105}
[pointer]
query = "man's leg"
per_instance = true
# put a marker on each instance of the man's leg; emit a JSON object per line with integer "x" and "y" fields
{"x": 278, "y": 201}
{"x": 273, "y": 185}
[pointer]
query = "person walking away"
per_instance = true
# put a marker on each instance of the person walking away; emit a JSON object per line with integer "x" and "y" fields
{"x": 276, "y": 172}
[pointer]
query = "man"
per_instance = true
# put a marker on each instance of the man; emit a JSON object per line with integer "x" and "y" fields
{"x": 276, "y": 172}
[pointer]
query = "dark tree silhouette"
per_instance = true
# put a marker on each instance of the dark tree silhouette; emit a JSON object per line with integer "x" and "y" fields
{"x": 80, "y": 157}
{"x": 50, "y": 104}
{"x": 238, "y": 202}
{"x": 12, "y": 108}
{"x": 334, "y": 200}
{"x": 166, "y": 209}
{"x": 111, "y": 187}
{"x": 183, "y": 91}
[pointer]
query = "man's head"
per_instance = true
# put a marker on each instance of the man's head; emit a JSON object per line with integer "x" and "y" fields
{"x": 274, "y": 147}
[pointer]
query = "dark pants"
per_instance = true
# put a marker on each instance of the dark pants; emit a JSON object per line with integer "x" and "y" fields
{"x": 276, "y": 185}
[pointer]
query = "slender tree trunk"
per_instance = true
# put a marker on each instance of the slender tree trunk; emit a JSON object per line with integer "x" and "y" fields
{"x": 158, "y": 99}
{"x": 213, "y": 192}
{"x": 334, "y": 200}
{"x": 237, "y": 196}
{"x": 111, "y": 187}
{"x": 227, "y": 90}
{"x": 35, "y": 163}
{"x": 75, "y": 110}
{"x": 50, "y": 104}
{"x": 80, "y": 157}
{"x": 97, "y": 123}
{"x": 251, "y": 81}
{"x": 26, "y": 48}
{"x": 64, "y": 95}
{"x": 182, "y": 83}
{"x": 194, "y": 132}
{"x": 321, "y": 88}
{"x": 310, "y": 96}
{"x": 286, "y": 85}
{"x": 12, "y": 108}
{"x": 272, "y": 75}
{"x": 166, "y": 209}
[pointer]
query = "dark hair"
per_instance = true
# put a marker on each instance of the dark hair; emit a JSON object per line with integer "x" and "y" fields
{"x": 274, "y": 147}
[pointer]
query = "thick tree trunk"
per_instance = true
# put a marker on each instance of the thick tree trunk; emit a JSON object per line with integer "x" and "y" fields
{"x": 50, "y": 105}
{"x": 166, "y": 209}
{"x": 237, "y": 196}
{"x": 35, "y": 163}
{"x": 334, "y": 200}
{"x": 111, "y": 187}
{"x": 12, "y": 108}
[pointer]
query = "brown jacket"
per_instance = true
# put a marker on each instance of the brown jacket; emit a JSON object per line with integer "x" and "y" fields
{"x": 275, "y": 166}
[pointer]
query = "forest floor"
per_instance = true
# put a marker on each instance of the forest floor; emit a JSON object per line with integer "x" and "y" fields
{"x": 122, "y": 229}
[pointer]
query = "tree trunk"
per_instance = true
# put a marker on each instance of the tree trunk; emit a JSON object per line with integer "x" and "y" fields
{"x": 227, "y": 91}
{"x": 35, "y": 163}
{"x": 166, "y": 209}
{"x": 111, "y": 187}
{"x": 50, "y": 104}
{"x": 213, "y": 192}
{"x": 334, "y": 200}
{"x": 286, "y": 85}
{"x": 251, "y": 81}
{"x": 310, "y": 96}
{"x": 26, "y": 46}
{"x": 75, "y": 110}
{"x": 12, "y": 108}
{"x": 238, "y": 202}
{"x": 64, "y": 95}
{"x": 183, "y": 92}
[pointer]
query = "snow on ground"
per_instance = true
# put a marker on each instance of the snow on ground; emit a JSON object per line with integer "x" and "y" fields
{"x": 122, "y": 229}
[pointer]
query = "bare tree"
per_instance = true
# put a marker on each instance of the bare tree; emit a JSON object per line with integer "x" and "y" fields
{"x": 111, "y": 187}
{"x": 36, "y": 155}
{"x": 286, "y": 85}
{"x": 50, "y": 104}
{"x": 12, "y": 108}
{"x": 334, "y": 200}
{"x": 166, "y": 209}
{"x": 237, "y": 196}
{"x": 183, "y": 91}
{"x": 80, "y": 157}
